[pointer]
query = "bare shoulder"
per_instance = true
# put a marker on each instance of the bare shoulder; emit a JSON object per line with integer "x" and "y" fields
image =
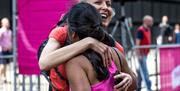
{"x": 78, "y": 80}
{"x": 79, "y": 60}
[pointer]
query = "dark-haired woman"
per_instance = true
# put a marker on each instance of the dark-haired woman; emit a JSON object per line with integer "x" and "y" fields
{"x": 86, "y": 71}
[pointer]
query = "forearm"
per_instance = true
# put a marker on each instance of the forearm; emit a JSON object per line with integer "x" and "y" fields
{"x": 63, "y": 54}
{"x": 133, "y": 86}
{"x": 137, "y": 49}
{"x": 128, "y": 70}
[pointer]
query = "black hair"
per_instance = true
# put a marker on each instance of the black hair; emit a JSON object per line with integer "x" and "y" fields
{"x": 85, "y": 21}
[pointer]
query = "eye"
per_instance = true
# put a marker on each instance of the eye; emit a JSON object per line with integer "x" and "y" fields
{"x": 108, "y": 3}
{"x": 98, "y": 2}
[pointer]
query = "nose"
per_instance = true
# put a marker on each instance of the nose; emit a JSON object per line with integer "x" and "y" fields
{"x": 104, "y": 5}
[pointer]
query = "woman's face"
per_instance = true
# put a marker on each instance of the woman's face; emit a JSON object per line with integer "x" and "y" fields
{"x": 177, "y": 27}
{"x": 5, "y": 23}
{"x": 104, "y": 8}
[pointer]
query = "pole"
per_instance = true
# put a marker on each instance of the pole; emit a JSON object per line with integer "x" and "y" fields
{"x": 156, "y": 67}
{"x": 123, "y": 27}
{"x": 14, "y": 39}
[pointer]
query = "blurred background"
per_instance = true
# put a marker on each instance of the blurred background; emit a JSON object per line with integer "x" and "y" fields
{"x": 30, "y": 22}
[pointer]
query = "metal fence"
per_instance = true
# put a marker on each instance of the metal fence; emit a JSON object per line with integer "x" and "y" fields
{"x": 153, "y": 63}
{"x": 18, "y": 82}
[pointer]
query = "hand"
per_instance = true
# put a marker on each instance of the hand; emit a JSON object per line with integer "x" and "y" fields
{"x": 104, "y": 50}
{"x": 125, "y": 83}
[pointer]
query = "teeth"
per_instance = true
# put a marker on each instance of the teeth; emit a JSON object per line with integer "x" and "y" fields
{"x": 104, "y": 16}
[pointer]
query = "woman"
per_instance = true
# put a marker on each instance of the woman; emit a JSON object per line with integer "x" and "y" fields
{"x": 177, "y": 33}
{"x": 6, "y": 45}
{"x": 86, "y": 72}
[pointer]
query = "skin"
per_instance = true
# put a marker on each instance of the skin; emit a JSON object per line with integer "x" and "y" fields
{"x": 176, "y": 28}
{"x": 5, "y": 23}
{"x": 53, "y": 55}
{"x": 164, "y": 19}
{"x": 81, "y": 74}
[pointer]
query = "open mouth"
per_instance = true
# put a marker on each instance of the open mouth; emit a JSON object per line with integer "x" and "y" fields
{"x": 104, "y": 16}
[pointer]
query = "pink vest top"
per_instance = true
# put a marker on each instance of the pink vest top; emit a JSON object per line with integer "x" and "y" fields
{"x": 108, "y": 84}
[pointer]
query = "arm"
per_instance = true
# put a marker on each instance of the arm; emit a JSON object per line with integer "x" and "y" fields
{"x": 139, "y": 36}
{"x": 76, "y": 75}
{"x": 174, "y": 38}
{"x": 52, "y": 55}
{"x": 126, "y": 69}
{"x": 138, "y": 41}
{"x": 129, "y": 81}
{"x": 137, "y": 44}
{"x": 11, "y": 39}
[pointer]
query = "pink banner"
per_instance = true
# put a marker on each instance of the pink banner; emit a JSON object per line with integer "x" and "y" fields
{"x": 35, "y": 20}
{"x": 170, "y": 69}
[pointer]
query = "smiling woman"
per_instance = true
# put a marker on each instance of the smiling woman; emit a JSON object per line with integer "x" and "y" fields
{"x": 104, "y": 8}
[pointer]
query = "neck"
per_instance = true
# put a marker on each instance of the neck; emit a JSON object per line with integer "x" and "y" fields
{"x": 176, "y": 31}
{"x": 5, "y": 27}
{"x": 145, "y": 26}
{"x": 164, "y": 23}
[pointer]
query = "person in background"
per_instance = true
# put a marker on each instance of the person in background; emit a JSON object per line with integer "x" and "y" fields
{"x": 177, "y": 33}
{"x": 166, "y": 32}
{"x": 6, "y": 45}
{"x": 143, "y": 37}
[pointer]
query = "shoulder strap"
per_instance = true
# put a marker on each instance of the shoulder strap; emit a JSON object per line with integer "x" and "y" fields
{"x": 49, "y": 81}
{"x": 41, "y": 47}
{"x": 61, "y": 23}
{"x": 119, "y": 57}
{"x": 60, "y": 75}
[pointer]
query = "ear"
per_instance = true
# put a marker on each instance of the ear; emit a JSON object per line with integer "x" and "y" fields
{"x": 75, "y": 36}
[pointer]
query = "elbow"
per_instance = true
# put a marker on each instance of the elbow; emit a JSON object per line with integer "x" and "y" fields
{"x": 43, "y": 65}
{"x": 132, "y": 87}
